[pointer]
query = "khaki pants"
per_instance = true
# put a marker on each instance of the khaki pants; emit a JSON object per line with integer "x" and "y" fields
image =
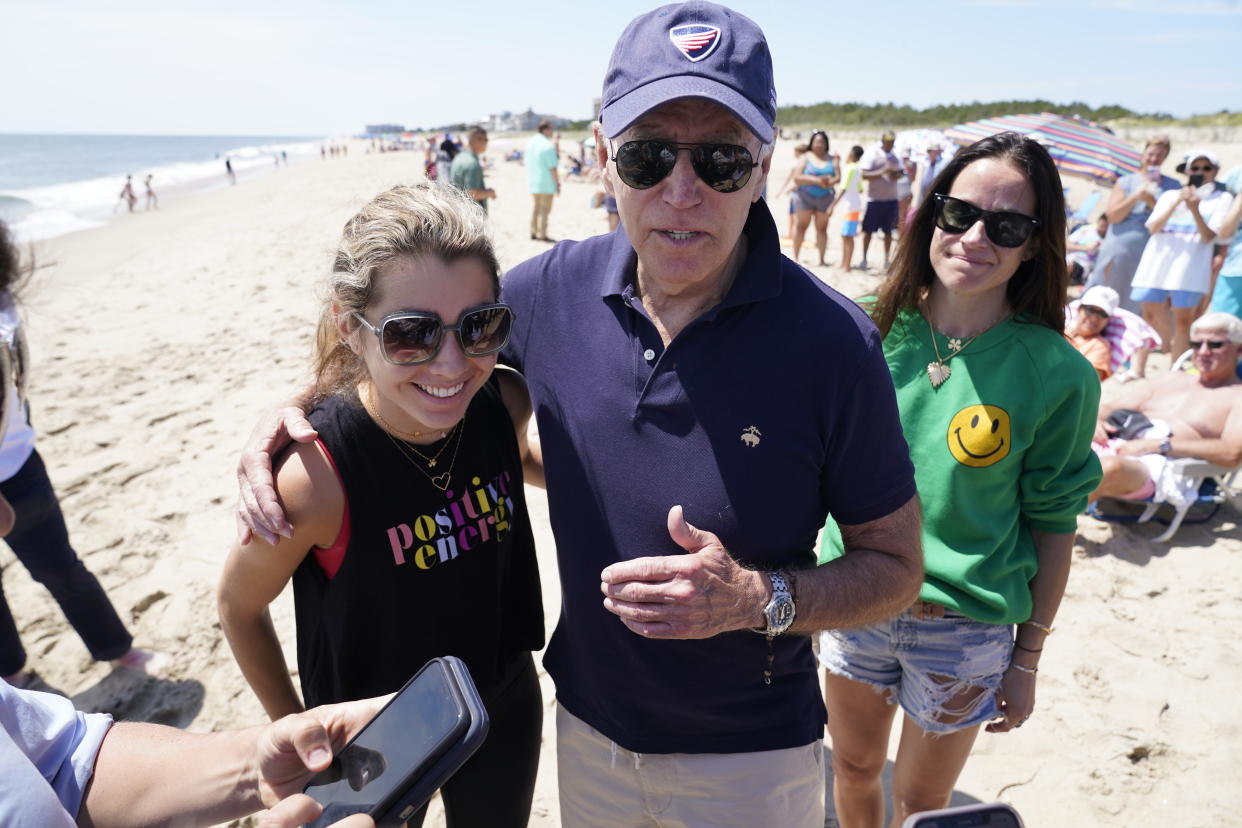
{"x": 539, "y": 215}
{"x": 603, "y": 785}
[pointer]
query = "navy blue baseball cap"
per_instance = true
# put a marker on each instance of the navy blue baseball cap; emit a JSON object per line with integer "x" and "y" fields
{"x": 690, "y": 50}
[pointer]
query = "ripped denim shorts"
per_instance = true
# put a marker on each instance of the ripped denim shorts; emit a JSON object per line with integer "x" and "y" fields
{"x": 899, "y": 657}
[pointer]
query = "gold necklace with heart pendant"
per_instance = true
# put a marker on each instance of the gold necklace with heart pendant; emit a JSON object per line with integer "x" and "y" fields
{"x": 938, "y": 370}
{"x": 440, "y": 481}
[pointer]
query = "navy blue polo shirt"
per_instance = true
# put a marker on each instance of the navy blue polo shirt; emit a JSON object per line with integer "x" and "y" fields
{"x": 768, "y": 412}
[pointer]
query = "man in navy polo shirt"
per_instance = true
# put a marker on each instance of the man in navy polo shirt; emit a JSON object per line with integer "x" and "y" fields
{"x": 703, "y": 403}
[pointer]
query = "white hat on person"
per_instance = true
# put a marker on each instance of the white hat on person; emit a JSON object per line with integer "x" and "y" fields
{"x": 1102, "y": 297}
{"x": 1199, "y": 153}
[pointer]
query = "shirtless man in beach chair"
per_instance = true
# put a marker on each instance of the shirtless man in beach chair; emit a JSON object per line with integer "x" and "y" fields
{"x": 1192, "y": 415}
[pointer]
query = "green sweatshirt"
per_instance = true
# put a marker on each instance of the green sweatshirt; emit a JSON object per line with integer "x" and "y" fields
{"x": 1002, "y": 447}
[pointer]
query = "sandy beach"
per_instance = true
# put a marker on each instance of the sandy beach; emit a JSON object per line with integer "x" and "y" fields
{"x": 157, "y": 339}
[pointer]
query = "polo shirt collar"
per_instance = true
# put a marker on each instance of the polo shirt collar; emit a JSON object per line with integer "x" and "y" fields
{"x": 758, "y": 278}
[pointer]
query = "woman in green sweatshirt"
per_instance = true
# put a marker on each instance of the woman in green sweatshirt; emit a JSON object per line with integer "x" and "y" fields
{"x": 998, "y": 410}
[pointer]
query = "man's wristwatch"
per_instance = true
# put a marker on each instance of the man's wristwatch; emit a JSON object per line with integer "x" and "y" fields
{"x": 1166, "y": 446}
{"x": 780, "y": 610}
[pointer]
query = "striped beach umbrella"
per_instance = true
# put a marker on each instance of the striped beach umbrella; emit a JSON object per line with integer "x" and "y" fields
{"x": 1078, "y": 147}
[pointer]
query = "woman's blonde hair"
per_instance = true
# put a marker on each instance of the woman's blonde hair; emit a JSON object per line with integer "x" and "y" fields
{"x": 410, "y": 221}
{"x": 1159, "y": 139}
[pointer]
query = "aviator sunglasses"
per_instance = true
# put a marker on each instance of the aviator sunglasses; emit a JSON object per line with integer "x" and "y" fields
{"x": 1004, "y": 229}
{"x": 723, "y": 167}
{"x": 414, "y": 337}
{"x": 1213, "y": 344}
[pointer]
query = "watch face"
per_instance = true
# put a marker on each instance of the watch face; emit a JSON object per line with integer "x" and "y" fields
{"x": 783, "y": 614}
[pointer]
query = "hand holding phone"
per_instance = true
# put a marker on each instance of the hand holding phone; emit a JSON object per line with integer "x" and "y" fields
{"x": 408, "y": 751}
{"x": 1196, "y": 180}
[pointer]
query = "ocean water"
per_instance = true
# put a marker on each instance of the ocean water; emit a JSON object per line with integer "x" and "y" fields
{"x": 53, "y": 184}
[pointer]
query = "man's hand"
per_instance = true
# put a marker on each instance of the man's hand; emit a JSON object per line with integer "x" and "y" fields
{"x": 300, "y": 809}
{"x": 1137, "y": 448}
{"x": 293, "y": 749}
{"x": 258, "y": 509}
{"x": 697, "y": 595}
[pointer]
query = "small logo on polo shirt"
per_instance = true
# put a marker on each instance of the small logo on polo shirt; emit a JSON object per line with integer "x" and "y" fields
{"x": 695, "y": 40}
{"x": 750, "y": 436}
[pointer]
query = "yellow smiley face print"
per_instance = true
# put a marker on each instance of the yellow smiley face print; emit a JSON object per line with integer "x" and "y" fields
{"x": 979, "y": 435}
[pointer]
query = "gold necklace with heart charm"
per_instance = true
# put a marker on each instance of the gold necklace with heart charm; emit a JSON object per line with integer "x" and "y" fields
{"x": 440, "y": 481}
{"x": 938, "y": 370}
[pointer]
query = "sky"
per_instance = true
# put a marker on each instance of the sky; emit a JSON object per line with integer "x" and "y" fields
{"x": 327, "y": 67}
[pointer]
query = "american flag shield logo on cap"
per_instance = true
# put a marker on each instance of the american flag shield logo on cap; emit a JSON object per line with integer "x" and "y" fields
{"x": 695, "y": 40}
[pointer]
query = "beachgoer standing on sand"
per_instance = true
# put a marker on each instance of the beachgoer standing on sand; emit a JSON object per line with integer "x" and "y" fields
{"x": 412, "y": 537}
{"x": 881, "y": 170}
{"x": 815, "y": 194}
{"x": 444, "y": 162}
{"x": 466, "y": 172}
{"x": 1176, "y": 266}
{"x": 799, "y": 150}
{"x": 1129, "y": 205}
{"x": 998, "y": 410}
{"x": 127, "y": 193}
{"x": 540, "y": 159}
{"x": 228, "y": 169}
{"x": 153, "y": 200}
{"x": 685, "y": 505}
{"x": 38, "y": 537}
{"x": 1227, "y": 295}
{"x": 926, "y": 172}
{"x": 850, "y": 198}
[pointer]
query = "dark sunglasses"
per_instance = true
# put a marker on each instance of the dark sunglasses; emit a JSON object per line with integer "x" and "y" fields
{"x": 1201, "y": 169}
{"x": 414, "y": 337}
{"x": 1213, "y": 344}
{"x": 1004, "y": 228}
{"x": 723, "y": 167}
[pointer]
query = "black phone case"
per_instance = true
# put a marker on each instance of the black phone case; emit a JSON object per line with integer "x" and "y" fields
{"x": 451, "y": 759}
{"x": 430, "y": 777}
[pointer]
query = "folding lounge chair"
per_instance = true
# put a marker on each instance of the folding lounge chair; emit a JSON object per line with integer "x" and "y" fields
{"x": 1214, "y": 485}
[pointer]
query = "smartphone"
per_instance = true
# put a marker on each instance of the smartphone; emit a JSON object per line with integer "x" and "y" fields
{"x": 408, "y": 751}
{"x": 1196, "y": 179}
{"x": 983, "y": 815}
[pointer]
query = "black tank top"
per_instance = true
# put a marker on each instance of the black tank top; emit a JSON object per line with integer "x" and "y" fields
{"x": 426, "y": 572}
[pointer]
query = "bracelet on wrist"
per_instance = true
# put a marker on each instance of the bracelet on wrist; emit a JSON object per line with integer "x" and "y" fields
{"x": 1044, "y": 628}
{"x": 1023, "y": 669}
{"x": 1028, "y": 649}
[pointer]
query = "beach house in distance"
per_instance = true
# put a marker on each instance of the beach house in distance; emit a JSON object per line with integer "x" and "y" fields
{"x": 520, "y": 121}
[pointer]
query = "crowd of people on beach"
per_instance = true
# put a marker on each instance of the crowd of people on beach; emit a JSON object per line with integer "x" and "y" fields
{"x": 892, "y": 531}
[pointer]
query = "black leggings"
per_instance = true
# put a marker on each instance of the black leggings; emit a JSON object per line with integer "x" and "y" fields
{"x": 41, "y": 542}
{"x": 495, "y": 788}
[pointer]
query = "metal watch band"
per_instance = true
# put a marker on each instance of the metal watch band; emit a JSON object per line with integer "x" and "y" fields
{"x": 780, "y": 611}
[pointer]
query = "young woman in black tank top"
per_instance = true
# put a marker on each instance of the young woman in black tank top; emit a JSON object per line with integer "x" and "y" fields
{"x": 411, "y": 534}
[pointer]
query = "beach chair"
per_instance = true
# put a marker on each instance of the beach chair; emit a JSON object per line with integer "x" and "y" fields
{"x": 1213, "y": 485}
